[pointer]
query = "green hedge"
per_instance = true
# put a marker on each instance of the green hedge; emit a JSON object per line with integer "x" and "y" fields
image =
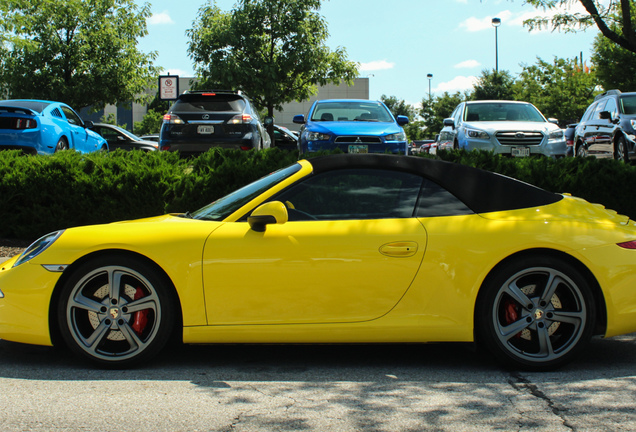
{"x": 41, "y": 194}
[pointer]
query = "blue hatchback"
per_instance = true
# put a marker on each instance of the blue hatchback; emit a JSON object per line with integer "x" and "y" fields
{"x": 353, "y": 126}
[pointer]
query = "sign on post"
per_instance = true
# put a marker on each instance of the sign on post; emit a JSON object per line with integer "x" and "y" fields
{"x": 168, "y": 87}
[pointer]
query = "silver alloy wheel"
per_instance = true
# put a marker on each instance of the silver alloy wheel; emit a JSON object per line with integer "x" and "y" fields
{"x": 113, "y": 313}
{"x": 539, "y": 315}
{"x": 62, "y": 144}
{"x": 621, "y": 152}
{"x": 581, "y": 151}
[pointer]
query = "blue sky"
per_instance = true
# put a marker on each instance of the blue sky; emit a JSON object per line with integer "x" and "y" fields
{"x": 398, "y": 45}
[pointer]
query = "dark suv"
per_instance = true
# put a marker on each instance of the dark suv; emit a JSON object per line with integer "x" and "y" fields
{"x": 200, "y": 120}
{"x": 607, "y": 127}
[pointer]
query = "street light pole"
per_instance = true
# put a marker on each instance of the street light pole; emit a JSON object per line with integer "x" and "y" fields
{"x": 496, "y": 22}
{"x": 430, "y": 77}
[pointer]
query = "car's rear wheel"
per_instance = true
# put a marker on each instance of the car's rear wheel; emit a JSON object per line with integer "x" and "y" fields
{"x": 535, "y": 313}
{"x": 116, "y": 311}
{"x": 62, "y": 144}
{"x": 621, "y": 152}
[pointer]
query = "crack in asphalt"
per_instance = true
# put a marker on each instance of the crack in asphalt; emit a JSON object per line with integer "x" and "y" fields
{"x": 521, "y": 383}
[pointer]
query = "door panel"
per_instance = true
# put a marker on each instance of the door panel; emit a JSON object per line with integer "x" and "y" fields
{"x": 310, "y": 271}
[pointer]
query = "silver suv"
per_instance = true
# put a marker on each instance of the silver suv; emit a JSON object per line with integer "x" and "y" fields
{"x": 503, "y": 127}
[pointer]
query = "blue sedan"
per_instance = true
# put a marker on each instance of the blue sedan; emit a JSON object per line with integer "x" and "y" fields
{"x": 353, "y": 126}
{"x": 45, "y": 127}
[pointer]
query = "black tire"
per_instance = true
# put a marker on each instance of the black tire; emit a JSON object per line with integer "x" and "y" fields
{"x": 581, "y": 151}
{"x": 62, "y": 144}
{"x": 535, "y": 313}
{"x": 621, "y": 152}
{"x": 116, "y": 311}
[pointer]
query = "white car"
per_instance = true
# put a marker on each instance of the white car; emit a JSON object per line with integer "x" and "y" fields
{"x": 504, "y": 127}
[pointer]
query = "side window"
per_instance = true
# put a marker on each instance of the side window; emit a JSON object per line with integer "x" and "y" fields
{"x": 588, "y": 112}
{"x": 611, "y": 107}
{"x": 436, "y": 201}
{"x": 597, "y": 110}
{"x": 71, "y": 117}
{"x": 457, "y": 116}
{"x": 353, "y": 194}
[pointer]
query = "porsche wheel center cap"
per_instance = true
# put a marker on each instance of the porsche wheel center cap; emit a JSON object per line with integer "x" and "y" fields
{"x": 538, "y": 314}
{"x": 114, "y": 313}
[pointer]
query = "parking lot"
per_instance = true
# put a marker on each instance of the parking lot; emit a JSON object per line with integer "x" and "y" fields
{"x": 321, "y": 388}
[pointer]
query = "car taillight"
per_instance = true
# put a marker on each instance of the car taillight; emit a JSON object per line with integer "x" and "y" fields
{"x": 628, "y": 244}
{"x": 21, "y": 123}
{"x": 246, "y": 148}
{"x": 240, "y": 119}
{"x": 164, "y": 148}
{"x": 172, "y": 119}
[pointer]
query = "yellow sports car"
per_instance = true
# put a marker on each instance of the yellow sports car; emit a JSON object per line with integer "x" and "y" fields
{"x": 337, "y": 249}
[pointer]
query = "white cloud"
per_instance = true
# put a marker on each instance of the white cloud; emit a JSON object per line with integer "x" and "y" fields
{"x": 160, "y": 18}
{"x": 459, "y": 83}
{"x": 376, "y": 65}
{"x": 474, "y": 24}
{"x": 468, "y": 64}
{"x": 178, "y": 72}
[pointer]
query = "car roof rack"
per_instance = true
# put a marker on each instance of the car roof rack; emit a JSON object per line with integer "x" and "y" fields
{"x": 237, "y": 92}
{"x": 607, "y": 93}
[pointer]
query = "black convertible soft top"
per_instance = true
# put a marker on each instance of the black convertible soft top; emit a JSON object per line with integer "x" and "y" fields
{"x": 482, "y": 191}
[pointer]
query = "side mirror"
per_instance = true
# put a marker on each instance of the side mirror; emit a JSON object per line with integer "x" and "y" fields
{"x": 449, "y": 122}
{"x": 273, "y": 212}
{"x": 299, "y": 118}
{"x": 553, "y": 120}
{"x": 402, "y": 120}
{"x": 268, "y": 121}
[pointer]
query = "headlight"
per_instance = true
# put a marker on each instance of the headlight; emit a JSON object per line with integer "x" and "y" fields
{"x": 633, "y": 123}
{"x": 317, "y": 136}
{"x": 396, "y": 137}
{"x": 556, "y": 136}
{"x": 474, "y": 133}
{"x": 38, "y": 247}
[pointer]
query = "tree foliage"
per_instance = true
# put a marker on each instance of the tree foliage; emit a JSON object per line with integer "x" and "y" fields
{"x": 614, "y": 19}
{"x": 493, "y": 85}
{"x": 415, "y": 129}
{"x": 562, "y": 89}
{"x": 435, "y": 110}
{"x": 614, "y": 65}
{"x": 82, "y": 52}
{"x": 274, "y": 50}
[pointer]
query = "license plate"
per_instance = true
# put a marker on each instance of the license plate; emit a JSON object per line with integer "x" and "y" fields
{"x": 521, "y": 151}
{"x": 205, "y": 130}
{"x": 358, "y": 149}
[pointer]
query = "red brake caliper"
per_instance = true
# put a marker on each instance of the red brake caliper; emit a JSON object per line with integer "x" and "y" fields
{"x": 511, "y": 313}
{"x": 141, "y": 317}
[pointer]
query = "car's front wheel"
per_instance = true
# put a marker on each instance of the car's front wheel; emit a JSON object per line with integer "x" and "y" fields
{"x": 581, "y": 151}
{"x": 621, "y": 152}
{"x": 116, "y": 311}
{"x": 535, "y": 313}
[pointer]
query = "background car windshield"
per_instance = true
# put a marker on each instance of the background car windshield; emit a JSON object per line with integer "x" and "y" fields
{"x": 32, "y": 105}
{"x": 351, "y": 111}
{"x": 495, "y": 112}
{"x": 628, "y": 105}
{"x": 218, "y": 103}
{"x": 223, "y": 207}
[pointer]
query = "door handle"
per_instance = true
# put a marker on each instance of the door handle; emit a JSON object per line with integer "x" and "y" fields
{"x": 401, "y": 249}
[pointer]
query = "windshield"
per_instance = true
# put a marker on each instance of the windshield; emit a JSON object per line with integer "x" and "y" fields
{"x": 37, "y": 106}
{"x": 351, "y": 111}
{"x": 223, "y": 207}
{"x": 628, "y": 105}
{"x": 497, "y": 111}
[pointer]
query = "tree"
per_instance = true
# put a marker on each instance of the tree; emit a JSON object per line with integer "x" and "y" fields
{"x": 562, "y": 89}
{"x": 274, "y": 50}
{"x": 493, "y": 85}
{"x": 83, "y": 53}
{"x": 614, "y": 19}
{"x": 613, "y": 64}
{"x": 435, "y": 110}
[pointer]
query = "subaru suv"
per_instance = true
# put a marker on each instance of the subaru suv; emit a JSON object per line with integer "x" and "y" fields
{"x": 512, "y": 128}
{"x": 200, "y": 120}
{"x": 607, "y": 127}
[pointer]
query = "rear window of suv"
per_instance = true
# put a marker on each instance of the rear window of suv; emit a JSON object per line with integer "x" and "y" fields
{"x": 216, "y": 103}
